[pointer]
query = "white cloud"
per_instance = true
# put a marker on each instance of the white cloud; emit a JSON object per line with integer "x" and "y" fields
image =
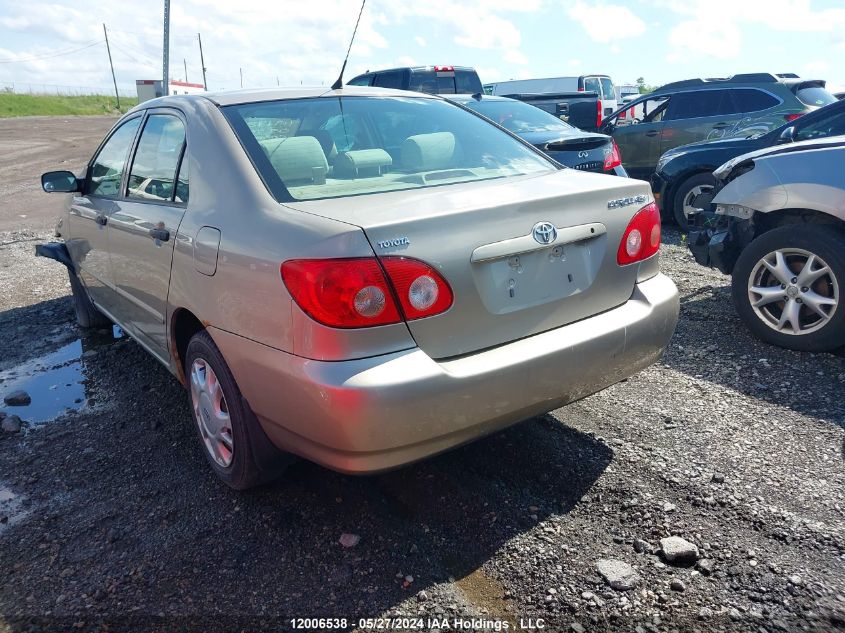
{"x": 515, "y": 57}
{"x": 718, "y": 39}
{"x": 606, "y": 22}
{"x": 420, "y": 41}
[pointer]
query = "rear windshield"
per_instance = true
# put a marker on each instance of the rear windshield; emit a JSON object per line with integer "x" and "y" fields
{"x": 457, "y": 82}
{"x": 815, "y": 96}
{"x": 520, "y": 117}
{"x": 308, "y": 149}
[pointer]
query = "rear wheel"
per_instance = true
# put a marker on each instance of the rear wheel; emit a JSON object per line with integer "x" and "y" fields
{"x": 695, "y": 193}
{"x": 787, "y": 287}
{"x": 231, "y": 438}
{"x": 87, "y": 315}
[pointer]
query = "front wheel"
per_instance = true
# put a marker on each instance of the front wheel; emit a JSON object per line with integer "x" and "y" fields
{"x": 231, "y": 438}
{"x": 787, "y": 286}
{"x": 694, "y": 194}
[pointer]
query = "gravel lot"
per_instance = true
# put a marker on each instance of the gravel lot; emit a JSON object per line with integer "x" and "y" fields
{"x": 111, "y": 520}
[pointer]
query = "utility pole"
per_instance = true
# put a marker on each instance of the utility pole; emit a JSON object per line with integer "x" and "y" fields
{"x": 242, "y": 77}
{"x": 165, "y": 81}
{"x": 185, "y": 62}
{"x": 202, "y": 63}
{"x": 116, "y": 95}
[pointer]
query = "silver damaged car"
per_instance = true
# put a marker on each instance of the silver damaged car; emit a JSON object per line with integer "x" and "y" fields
{"x": 361, "y": 277}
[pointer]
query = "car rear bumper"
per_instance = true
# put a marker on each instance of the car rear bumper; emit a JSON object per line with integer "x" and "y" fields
{"x": 377, "y": 413}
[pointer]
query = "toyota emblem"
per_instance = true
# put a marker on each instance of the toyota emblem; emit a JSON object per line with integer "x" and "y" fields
{"x": 544, "y": 232}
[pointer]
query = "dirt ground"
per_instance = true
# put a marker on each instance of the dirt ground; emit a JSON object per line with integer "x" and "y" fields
{"x": 110, "y": 519}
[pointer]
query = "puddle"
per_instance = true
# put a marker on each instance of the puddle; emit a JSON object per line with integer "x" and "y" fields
{"x": 54, "y": 381}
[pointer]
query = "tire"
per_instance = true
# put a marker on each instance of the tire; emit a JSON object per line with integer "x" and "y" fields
{"x": 87, "y": 315}
{"x": 775, "y": 321}
{"x": 241, "y": 454}
{"x": 704, "y": 183}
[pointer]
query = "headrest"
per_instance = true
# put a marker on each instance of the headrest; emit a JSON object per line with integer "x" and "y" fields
{"x": 426, "y": 152}
{"x": 362, "y": 163}
{"x": 297, "y": 158}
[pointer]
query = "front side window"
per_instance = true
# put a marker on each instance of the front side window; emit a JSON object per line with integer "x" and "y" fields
{"x": 107, "y": 169}
{"x": 364, "y": 80}
{"x": 153, "y": 173}
{"x": 832, "y": 125}
{"x": 363, "y": 145}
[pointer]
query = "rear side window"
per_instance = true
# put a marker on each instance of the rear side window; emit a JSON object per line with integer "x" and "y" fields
{"x": 608, "y": 91}
{"x": 392, "y": 79}
{"x": 702, "y": 103}
{"x": 107, "y": 168}
{"x": 591, "y": 84}
{"x": 751, "y": 100}
{"x": 814, "y": 96}
{"x": 153, "y": 173}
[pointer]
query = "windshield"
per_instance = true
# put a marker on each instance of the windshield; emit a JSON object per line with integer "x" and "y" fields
{"x": 519, "y": 117}
{"x": 307, "y": 149}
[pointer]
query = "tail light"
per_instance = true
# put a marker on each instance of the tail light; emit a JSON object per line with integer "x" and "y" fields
{"x": 444, "y": 69}
{"x": 355, "y": 293}
{"x": 623, "y": 114}
{"x": 641, "y": 239}
{"x": 599, "y": 116}
{"x": 792, "y": 117}
{"x": 614, "y": 158}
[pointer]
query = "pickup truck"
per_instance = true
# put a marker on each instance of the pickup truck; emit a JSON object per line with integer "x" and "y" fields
{"x": 580, "y": 109}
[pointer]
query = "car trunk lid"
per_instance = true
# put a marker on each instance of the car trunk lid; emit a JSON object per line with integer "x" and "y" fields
{"x": 480, "y": 236}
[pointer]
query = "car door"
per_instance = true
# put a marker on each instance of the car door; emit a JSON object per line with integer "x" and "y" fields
{"x": 638, "y": 134}
{"x": 142, "y": 231}
{"x": 700, "y": 115}
{"x": 91, "y": 210}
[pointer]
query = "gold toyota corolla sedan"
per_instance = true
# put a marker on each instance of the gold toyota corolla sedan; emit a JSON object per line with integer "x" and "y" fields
{"x": 362, "y": 277}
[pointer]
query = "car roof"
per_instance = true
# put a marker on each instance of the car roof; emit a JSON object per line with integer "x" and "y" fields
{"x": 466, "y": 98}
{"x": 236, "y": 97}
{"x": 414, "y": 68}
{"x": 740, "y": 80}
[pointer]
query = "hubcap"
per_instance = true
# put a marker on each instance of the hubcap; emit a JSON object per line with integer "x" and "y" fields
{"x": 793, "y": 291}
{"x": 697, "y": 199}
{"x": 211, "y": 413}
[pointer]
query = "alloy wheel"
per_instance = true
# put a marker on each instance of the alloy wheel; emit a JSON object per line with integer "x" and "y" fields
{"x": 793, "y": 291}
{"x": 211, "y": 413}
{"x": 697, "y": 199}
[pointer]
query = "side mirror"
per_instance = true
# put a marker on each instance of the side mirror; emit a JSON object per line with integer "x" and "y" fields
{"x": 60, "y": 182}
{"x": 788, "y": 135}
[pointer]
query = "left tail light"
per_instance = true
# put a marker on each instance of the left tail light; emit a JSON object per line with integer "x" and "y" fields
{"x": 355, "y": 293}
{"x": 791, "y": 117}
{"x": 641, "y": 239}
{"x": 614, "y": 158}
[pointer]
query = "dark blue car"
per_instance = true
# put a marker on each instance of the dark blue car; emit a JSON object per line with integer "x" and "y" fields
{"x": 568, "y": 145}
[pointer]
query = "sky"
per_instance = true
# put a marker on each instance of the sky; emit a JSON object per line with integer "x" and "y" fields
{"x": 302, "y": 42}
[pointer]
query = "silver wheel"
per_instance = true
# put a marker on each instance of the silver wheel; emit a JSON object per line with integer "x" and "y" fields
{"x": 793, "y": 291}
{"x": 697, "y": 199}
{"x": 211, "y": 413}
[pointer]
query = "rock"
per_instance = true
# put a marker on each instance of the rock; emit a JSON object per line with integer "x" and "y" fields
{"x": 718, "y": 478}
{"x": 641, "y": 546}
{"x": 619, "y": 575}
{"x": 705, "y": 566}
{"x": 678, "y": 551}
{"x": 669, "y": 507}
{"x": 577, "y": 628}
{"x": 18, "y": 398}
{"x": 796, "y": 580}
{"x": 11, "y": 424}
{"x": 705, "y": 613}
{"x": 349, "y": 540}
{"x": 677, "y": 585}
{"x": 409, "y": 579}
{"x": 422, "y": 596}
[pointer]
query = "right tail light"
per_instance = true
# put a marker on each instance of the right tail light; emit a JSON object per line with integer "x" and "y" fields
{"x": 641, "y": 239}
{"x": 599, "y": 113}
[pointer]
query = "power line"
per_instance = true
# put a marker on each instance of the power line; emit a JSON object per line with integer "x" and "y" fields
{"x": 36, "y": 58}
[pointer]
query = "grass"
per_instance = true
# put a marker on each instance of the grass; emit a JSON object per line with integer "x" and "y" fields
{"x": 14, "y": 105}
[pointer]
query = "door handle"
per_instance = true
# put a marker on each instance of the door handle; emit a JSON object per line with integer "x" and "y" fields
{"x": 102, "y": 220}
{"x": 652, "y": 133}
{"x": 720, "y": 126}
{"x": 160, "y": 234}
